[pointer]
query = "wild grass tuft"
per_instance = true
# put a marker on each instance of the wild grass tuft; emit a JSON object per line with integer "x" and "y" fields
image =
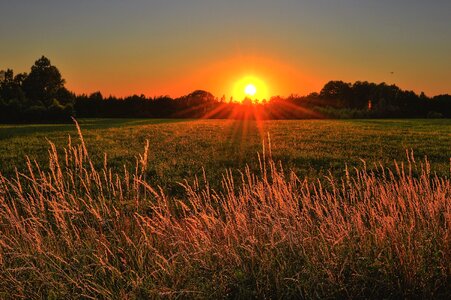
{"x": 80, "y": 232}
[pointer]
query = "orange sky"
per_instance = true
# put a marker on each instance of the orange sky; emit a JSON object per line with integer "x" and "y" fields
{"x": 220, "y": 77}
{"x": 173, "y": 47}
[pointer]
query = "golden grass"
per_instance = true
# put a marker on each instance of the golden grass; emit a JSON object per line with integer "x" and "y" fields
{"x": 79, "y": 232}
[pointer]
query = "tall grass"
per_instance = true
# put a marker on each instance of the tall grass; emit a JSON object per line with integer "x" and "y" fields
{"x": 81, "y": 232}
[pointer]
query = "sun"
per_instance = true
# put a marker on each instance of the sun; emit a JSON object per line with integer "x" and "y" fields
{"x": 252, "y": 87}
{"x": 250, "y": 90}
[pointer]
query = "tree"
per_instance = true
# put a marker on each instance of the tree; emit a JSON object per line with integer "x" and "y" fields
{"x": 96, "y": 96}
{"x": 200, "y": 96}
{"x": 44, "y": 87}
{"x": 337, "y": 91}
{"x": 363, "y": 94}
{"x": 43, "y": 83}
{"x": 10, "y": 87}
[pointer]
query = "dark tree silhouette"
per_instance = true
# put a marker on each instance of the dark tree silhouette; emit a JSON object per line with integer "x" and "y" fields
{"x": 338, "y": 92}
{"x": 44, "y": 87}
{"x": 41, "y": 96}
{"x": 38, "y": 96}
{"x": 43, "y": 82}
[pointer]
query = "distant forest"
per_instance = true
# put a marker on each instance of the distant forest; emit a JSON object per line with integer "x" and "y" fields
{"x": 41, "y": 96}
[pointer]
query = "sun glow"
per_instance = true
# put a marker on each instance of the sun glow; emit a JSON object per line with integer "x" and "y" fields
{"x": 250, "y": 87}
{"x": 250, "y": 90}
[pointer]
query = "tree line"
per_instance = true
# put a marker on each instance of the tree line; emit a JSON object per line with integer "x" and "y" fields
{"x": 37, "y": 96}
{"x": 40, "y": 96}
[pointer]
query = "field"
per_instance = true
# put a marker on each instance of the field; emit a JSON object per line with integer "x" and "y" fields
{"x": 274, "y": 209}
{"x": 179, "y": 149}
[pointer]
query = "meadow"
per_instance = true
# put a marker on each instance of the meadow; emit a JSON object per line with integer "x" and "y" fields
{"x": 226, "y": 209}
{"x": 182, "y": 149}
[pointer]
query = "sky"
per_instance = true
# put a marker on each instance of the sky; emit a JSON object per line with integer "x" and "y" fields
{"x": 169, "y": 47}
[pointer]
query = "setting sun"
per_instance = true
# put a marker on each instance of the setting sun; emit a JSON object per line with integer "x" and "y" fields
{"x": 250, "y": 87}
{"x": 250, "y": 90}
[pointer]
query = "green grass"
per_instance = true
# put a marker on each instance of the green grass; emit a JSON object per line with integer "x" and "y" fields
{"x": 76, "y": 227}
{"x": 179, "y": 149}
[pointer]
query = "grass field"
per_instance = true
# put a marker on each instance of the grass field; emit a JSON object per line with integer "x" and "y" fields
{"x": 77, "y": 225}
{"x": 179, "y": 149}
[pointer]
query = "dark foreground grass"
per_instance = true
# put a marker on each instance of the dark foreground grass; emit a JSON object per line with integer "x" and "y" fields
{"x": 179, "y": 149}
{"x": 81, "y": 231}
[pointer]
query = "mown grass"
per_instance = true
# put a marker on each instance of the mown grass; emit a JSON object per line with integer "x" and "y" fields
{"x": 180, "y": 149}
{"x": 83, "y": 230}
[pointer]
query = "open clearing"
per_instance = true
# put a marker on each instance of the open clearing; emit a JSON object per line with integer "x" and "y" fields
{"x": 83, "y": 228}
{"x": 179, "y": 149}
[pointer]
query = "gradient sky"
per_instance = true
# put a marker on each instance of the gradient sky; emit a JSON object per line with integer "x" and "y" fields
{"x": 168, "y": 47}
